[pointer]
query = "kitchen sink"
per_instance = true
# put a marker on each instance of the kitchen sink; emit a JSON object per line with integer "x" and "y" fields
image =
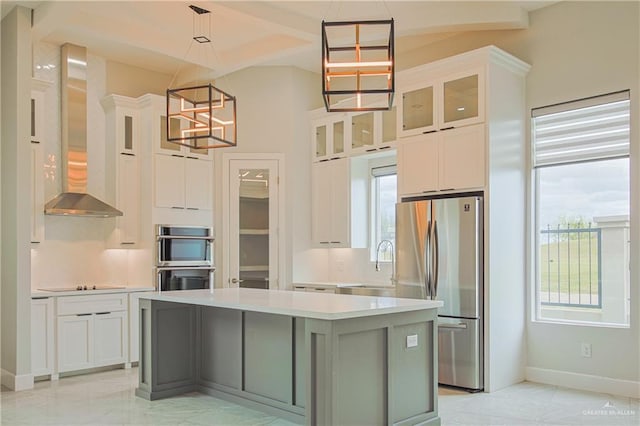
{"x": 383, "y": 291}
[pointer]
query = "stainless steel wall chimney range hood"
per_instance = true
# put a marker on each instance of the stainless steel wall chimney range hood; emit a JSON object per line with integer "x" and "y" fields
{"x": 74, "y": 200}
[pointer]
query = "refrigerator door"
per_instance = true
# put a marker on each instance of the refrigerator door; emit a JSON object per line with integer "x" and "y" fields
{"x": 412, "y": 274}
{"x": 460, "y": 353}
{"x": 457, "y": 242}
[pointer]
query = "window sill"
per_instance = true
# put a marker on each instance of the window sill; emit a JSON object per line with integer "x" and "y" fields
{"x": 581, "y": 323}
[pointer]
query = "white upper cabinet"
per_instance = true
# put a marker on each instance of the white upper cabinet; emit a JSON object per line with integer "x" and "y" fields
{"x": 338, "y": 135}
{"x": 372, "y": 131}
{"x": 38, "y": 89}
{"x": 418, "y": 168}
{"x": 416, "y": 110}
{"x": 338, "y": 203}
{"x": 437, "y": 103}
{"x": 122, "y": 116}
{"x": 461, "y": 99}
{"x": 362, "y": 131}
{"x": 198, "y": 191}
{"x": 37, "y": 192}
{"x": 331, "y": 203}
{"x": 183, "y": 183}
{"x": 452, "y": 112}
{"x": 123, "y": 160}
{"x": 329, "y": 137}
{"x": 128, "y": 199}
{"x": 462, "y": 158}
{"x": 169, "y": 181}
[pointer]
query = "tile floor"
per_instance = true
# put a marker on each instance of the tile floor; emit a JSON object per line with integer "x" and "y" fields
{"x": 107, "y": 398}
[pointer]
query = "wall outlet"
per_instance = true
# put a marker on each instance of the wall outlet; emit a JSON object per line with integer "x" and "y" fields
{"x": 412, "y": 341}
{"x": 585, "y": 350}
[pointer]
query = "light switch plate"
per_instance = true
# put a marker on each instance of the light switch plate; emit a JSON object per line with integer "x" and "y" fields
{"x": 412, "y": 341}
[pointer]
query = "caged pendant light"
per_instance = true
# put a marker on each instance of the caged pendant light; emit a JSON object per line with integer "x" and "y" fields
{"x": 203, "y": 116}
{"x": 358, "y": 69}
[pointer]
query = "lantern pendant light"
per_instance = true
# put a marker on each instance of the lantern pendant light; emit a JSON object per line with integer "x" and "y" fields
{"x": 201, "y": 116}
{"x": 358, "y": 69}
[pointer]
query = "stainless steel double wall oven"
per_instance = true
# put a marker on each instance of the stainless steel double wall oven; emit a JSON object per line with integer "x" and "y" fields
{"x": 184, "y": 257}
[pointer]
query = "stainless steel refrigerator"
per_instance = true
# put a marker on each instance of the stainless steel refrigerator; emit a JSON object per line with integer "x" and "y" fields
{"x": 439, "y": 245}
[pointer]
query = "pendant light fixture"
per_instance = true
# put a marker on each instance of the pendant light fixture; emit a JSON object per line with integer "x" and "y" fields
{"x": 201, "y": 116}
{"x": 358, "y": 68}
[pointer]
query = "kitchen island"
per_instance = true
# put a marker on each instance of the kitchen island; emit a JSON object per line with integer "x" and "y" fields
{"x": 311, "y": 358}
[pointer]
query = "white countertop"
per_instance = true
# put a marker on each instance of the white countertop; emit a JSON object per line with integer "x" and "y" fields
{"x": 292, "y": 303}
{"x": 44, "y": 293}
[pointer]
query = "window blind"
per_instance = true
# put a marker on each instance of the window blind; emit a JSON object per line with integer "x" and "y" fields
{"x": 384, "y": 171}
{"x": 585, "y": 130}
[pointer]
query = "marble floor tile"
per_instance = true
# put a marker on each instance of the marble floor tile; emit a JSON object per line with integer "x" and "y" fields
{"x": 108, "y": 398}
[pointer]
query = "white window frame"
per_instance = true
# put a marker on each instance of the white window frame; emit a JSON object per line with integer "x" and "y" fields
{"x": 565, "y": 159}
{"x": 377, "y": 169}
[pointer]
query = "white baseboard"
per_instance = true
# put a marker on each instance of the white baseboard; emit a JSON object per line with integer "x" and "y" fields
{"x": 16, "y": 383}
{"x": 587, "y": 382}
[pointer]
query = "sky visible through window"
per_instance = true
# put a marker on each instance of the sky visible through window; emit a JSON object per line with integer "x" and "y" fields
{"x": 583, "y": 190}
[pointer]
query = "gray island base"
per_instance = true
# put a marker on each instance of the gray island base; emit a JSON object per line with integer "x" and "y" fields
{"x": 319, "y": 359}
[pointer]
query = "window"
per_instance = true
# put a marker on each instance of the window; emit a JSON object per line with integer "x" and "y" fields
{"x": 383, "y": 210}
{"x": 581, "y": 171}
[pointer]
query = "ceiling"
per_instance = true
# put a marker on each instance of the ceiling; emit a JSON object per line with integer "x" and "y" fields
{"x": 158, "y": 34}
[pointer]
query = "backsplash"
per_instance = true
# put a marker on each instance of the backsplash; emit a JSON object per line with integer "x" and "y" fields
{"x": 354, "y": 266}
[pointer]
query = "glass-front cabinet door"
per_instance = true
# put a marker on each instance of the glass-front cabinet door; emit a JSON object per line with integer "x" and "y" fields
{"x": 462, "y": 100}
{"x": 320, "y": 141}
{"x": 337, "y": 147}
{"x": 253, "y": 219}
{"x": 389, "y": 128}
{"x": 329, "y": 138}
{"x": 417, "y": 111}
{"x": 362, "y": 131}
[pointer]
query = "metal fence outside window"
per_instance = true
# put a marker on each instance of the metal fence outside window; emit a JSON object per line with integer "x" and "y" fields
{"x": 570, "y": 267}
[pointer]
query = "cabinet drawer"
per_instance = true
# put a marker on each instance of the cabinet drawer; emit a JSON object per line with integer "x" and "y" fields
{"x": 70, "y": 305}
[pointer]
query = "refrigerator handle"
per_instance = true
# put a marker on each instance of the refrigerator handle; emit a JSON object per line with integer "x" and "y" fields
{"x": 427, "y": 261}
{"x": 435, "y": 258}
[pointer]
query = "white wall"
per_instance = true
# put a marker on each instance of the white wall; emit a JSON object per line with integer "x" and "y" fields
{"x": 16, "y": 184}
{"x": 576, "y": 58}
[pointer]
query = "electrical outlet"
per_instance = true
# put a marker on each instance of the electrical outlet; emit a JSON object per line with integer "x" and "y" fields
{"x": 412, "y": 341}
{"x": 585, "y": 350}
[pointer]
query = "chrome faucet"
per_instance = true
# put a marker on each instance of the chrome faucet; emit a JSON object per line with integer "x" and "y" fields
{"x": 393, "y": 261}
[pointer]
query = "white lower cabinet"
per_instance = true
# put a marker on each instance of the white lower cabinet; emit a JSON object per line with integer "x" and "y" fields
{"x": 110, "y": 338}
{"x": 75, "y": 342}
{"x": 92, "y": 331}
{"x": 42, "y": 337}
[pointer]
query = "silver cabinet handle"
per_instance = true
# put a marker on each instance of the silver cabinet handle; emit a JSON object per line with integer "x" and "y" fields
{"x": 436, "y": 258}
{"x": 427, "y": 261}
{"x": 459, "y": 326}
{"x": 236, "y": 281}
